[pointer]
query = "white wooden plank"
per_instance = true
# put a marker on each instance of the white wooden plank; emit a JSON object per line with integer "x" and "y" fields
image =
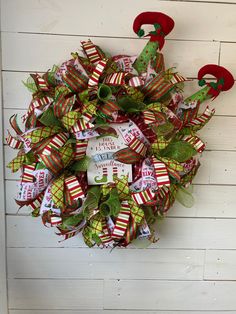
{"x": 169, "y": 295}
{"x": 16, "y": 95}
{"x": 216, "y": 201}
{"x": 103, "y": 264}
{"x": 217, "y": 20}
{"x": 55, "y": 294}
{"x": 177, "y": 233}
{"x": 227, "y": 57}
{"x": 3, "y": 285}
{"x": 30, "y": 232}
{"x": 18, "y": 55}
{"x": 114, "y": 312}
{"x": 220, "y": 265}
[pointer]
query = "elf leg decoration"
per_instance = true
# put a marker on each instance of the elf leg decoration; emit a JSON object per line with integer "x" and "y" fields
{"x": 103, "y": 179}
{"x": 163, "y": 25}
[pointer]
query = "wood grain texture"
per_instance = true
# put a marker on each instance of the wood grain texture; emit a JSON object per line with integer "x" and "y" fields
{"x": 18, "y": 55}
{"x": 114, "y": 312}
{"x": 103, "y": 264}
{"x": 176, "y": 233}
{"x": 169, "y": 295}
{"x": 55, "y": 294}
{"x": 49, "y": 17}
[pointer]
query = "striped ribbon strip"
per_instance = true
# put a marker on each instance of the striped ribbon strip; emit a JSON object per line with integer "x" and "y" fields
{"x": 40, "y": 82}
{"x": 94, "y": 78}
{"x": 196, "y": 142}
{"x": 190, "y": 114}
{"x": 105, "y": 236}
{"x": 203, "y": 118}
{"x": 13, "y": 142}
{"x": 157, "y": 87}
{"x": 14, "y": 124}
{"x": 159, "y": 65}
{"x": 115, "y": 79}
{"x": 80, "y": 149}
{"x": 131, "y": 232}
{"x": 37, "y": 103}
{"x": 74, "y": 80}
{"x": 57, "y": 141}
{"x": 74, "y": 188}
{"x": 136, "y": 81}
{"x": 149, "y": 117}
{"x": 87, "y": 116}
{"x": 161, "y": 172}
{"x": 164, "y": 198}
{"x": 109, "y": 107}
{"x": 122, "y": 221}
{"x": 177, "y": 78}
{"x": 63, "y": 105}
{"x": 28, "y": 176}
{"x": 55, "y": 220}
{"x": 36, "y": 203}
{"x": 143, "y": 197}
{"x": 135, "y": 144}
{"x": 81, "y": 125}
{"x": 91, "y": 51}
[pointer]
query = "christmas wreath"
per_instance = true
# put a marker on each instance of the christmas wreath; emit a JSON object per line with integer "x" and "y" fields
{"x": 109, "y": 142}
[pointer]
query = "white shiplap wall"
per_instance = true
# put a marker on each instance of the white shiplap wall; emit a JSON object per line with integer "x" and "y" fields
{"x": 192, "y": 269}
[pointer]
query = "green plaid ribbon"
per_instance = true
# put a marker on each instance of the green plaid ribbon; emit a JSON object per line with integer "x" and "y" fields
{"x": 58, "y": 191}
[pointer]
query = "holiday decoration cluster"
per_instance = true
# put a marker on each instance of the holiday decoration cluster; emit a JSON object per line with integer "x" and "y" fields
{"x": 109, "y": 142}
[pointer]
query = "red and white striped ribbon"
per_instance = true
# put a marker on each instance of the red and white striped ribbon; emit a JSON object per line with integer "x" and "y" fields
{"x": 35, "y": 204}
{"x": 55, "y": 220}
{"x": 115, "y": 79}
{"x": 80, "y": 149}
{"x": 91, "y": 51}
{"x": 94, "y": 78}
{"x": 135, "y": 144}
{"x": 136, "y": 81}
{"x": 196, "y": 142}
{"x": 149, "y": 117}
{"x": 122, "y": 221}
{"x": 42, "y": 83}
{"x": 13, "y": 142}
{"x": 106, "y": 236}
{"x": 81, "y": 125}
{"x": 37, "y": 103}
{"x": 161, "y": 173}
{"x": 28, "y": 175}
{"x": 203, "y": 118}
{"x": 57, "y": 141}
{"x": 177, "y": 78}
{"x": 143, "y": 197}
{"x": 74, "y": 188}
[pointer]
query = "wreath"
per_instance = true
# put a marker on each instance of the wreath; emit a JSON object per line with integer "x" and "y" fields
{"x": 110, "y": 142}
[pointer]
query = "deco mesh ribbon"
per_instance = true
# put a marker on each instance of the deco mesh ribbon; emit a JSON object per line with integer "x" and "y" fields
{"x": 83, "y": 100}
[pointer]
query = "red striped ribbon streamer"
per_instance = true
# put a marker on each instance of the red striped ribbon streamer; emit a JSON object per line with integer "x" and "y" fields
{"x": 55, "y": 220}
{"x": 57, "y": 141}
{"x": 87, "y": 116}
{"x": 81, "y": 125}
{"x": 35, "y": 204}
{"x": 13, "y": 142}
{"x": 203, "y": 118}
{"x": 122, "y": 221}
{"x": 149, "y": 117}
{"x": 80, "y": 149}
{"x": 135, "y": 144}
{"x": 136, "y": 81}
{"x": 75, "y": 80}
{"x": 94, "y": 78}
{"x": 105, "y": 236}
{"x": 27, "y": 175}
{"x": 109, "y": 107}
{"x": 115, "y": 79}
{"x": 143, "y": 196}
{"x": 177, "y": 78}
{"x": 164, "y": 198}
{"x": 91, "y": 51}
{"x": 157, "y": 87}
{"x": 161, "y": 172}
{"x": 74, "y": 188}
{"x": 42, "y": 84}
{"x": 37, "y": 103}
{"x": 196, "y": 142}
